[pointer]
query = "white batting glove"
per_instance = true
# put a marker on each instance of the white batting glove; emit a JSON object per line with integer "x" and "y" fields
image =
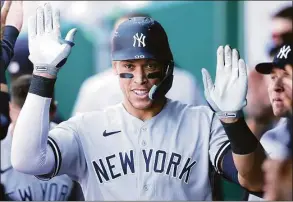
{"x": 228, "y": 96}
{"x": 48, "y": 51}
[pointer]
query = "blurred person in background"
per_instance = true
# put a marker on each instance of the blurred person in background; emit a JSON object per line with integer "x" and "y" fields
{"x": 11, "y": 25}
{"x": 278, "y": 173}
{"x": 259, "y": 113}
{"x": 19, "y": 186}
{"x": 20, "y": 65}
{"x": 184, "y": 89}
{"x": 277, "y": 141}
{"x": 281, "y": 29}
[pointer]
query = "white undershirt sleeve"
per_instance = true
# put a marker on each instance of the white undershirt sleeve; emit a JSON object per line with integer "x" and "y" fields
{"x": 30, "y": 152}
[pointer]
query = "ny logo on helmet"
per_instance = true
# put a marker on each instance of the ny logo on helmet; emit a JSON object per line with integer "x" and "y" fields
{"x": 284, "y": 52}
{"x": 140, "y": 40}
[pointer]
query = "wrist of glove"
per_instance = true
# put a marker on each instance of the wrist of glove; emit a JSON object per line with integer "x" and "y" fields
{"x": 236, "y": 114}
{"x": 49, "y": 69}
{"x": 225, "y": 114}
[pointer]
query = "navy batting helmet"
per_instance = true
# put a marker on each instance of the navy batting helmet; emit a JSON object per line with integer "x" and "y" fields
{"x": 145, "y": 38}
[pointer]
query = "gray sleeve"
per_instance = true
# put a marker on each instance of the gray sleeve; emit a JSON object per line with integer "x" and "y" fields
{"x": 219, "y": 143}
{"x": 68, "y": 152}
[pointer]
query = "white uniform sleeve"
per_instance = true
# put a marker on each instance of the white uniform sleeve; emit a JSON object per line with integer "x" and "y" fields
{"x": 33, "y": 152}
{"x": 67, "y": 149}
{"x": 29, "y": 152}
{"x": 219, "y": 143}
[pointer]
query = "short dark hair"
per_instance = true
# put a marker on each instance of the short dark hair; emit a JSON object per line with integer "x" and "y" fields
{"x": 286, "y": 13}
{"x": 19, "y": 90}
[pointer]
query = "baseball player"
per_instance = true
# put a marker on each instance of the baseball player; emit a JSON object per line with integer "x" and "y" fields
{"x": 148, "y": 147}
{"x": 19, "y": 186}
{"x": 184, "y": 88}
{"x": 277, "y": 140}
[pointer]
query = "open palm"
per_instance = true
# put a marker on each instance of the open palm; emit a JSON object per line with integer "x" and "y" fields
{"x": 230, "y": 89}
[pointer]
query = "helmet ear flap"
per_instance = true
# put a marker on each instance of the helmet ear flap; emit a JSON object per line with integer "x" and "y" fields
{"x": 165, "y": 85}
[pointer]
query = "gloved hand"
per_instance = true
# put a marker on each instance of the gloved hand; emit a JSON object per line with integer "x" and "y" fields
{"x": 228, "y": 96}
{"x": 48, "y": 51}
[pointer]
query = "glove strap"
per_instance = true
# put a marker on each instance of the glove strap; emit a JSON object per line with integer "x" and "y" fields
{"x": 44, "y": 68}
{"x": 237, "y": 114}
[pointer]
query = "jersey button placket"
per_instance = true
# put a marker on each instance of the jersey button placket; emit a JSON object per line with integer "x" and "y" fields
{"x": 145, "y": 188}
{"x": 144, "y": 130}
{"x": 143, "y": 143}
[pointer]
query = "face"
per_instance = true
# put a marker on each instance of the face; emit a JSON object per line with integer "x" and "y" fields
{"x": 258, "y": 102}
{"x": 136, "y": 89}
{"x": 276, "y": 90}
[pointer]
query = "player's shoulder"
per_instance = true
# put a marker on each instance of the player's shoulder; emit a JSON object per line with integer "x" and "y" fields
{"x": 280, "y": 126}
{"x": 99, "y": 115}
{"x": 279, "y": 133}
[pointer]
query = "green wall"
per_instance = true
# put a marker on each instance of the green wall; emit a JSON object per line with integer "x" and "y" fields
{"x": 79, "y": 66}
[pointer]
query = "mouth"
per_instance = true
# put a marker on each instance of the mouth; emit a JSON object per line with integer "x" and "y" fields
{"x": 142, "y": 93}
{"x": 277, "y": 100}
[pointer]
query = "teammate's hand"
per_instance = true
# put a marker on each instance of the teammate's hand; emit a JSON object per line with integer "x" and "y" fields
{"x": 11, "y": 14}
{"x": 228, "y": 96}
{"x": 48, "y": 51}
{"x": 4, "y": 12}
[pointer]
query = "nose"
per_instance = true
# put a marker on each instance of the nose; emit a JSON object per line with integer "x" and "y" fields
{"x": 278, "y": 85}
{"x": 140, "y": 76}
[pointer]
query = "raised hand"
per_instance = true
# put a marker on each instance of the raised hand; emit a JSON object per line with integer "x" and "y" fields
{"x": 228, "y": 96}
{"x": 11, "y": 15}
{"x": 48, "y": 51}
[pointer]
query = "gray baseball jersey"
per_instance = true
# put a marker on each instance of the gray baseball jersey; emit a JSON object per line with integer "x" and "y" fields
{"x": 116, "y": 156}
{"x": 23, "y": 187}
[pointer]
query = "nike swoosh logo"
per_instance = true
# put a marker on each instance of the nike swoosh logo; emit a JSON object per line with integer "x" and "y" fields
{"x": 5, "y": 170}
{"x": 105, "y": 134}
